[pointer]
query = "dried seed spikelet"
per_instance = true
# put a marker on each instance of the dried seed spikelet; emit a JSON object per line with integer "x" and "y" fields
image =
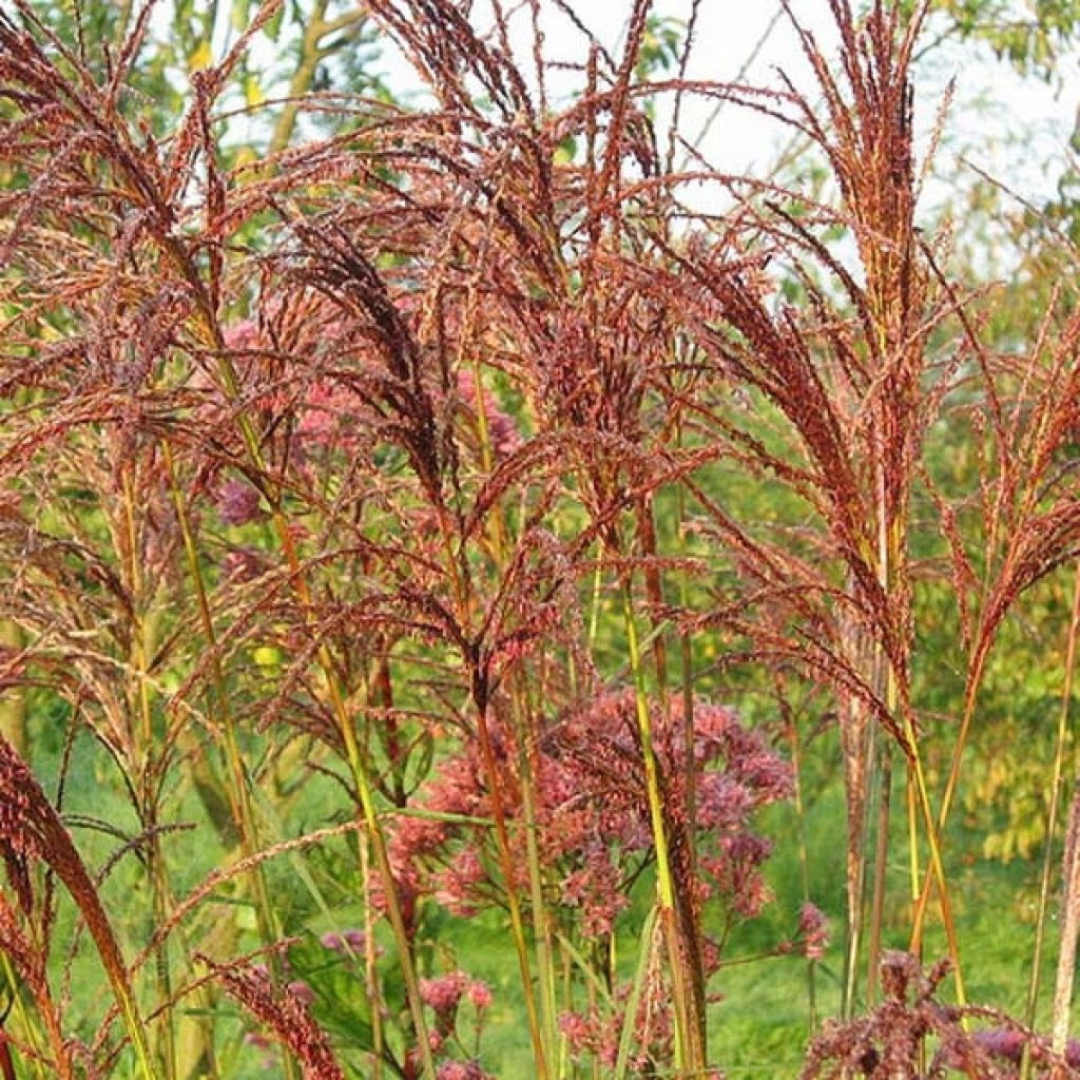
{"x": 31, "y": 829}
{"x": 285, "y": 1013}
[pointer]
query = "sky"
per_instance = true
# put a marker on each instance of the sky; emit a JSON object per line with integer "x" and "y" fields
{"x": 1009, "y": 127}
{"x": 1013, "y": 129}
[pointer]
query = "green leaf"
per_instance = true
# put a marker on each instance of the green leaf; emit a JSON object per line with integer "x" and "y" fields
{"x": 240, "y": 15}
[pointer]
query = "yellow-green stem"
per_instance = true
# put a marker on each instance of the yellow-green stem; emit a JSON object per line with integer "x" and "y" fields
{"x": 544, "y": 1019}
{"x": 358, "y": 769}
{"x": 19, "y": 1007}
{"x": 688, "y": 1048}
{"x": 1056, "y": 784}
{"x": 881, "y": 856}
{"x": 371, "y": 975}
{"x": 804, "y": 856}
{"x": 141, "y": 649}
{"x": 937, "y": 866}
{"x": 1067, "y": 955}
{"x": 864, "y": 751}
{"x": 541, "y": 919}
{"x": 13, "y": 699}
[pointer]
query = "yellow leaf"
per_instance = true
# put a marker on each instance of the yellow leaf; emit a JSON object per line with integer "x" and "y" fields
{"x": 253, "y": 92}
{"x": 267, "y": 656}
{"x": 202, "y": 57}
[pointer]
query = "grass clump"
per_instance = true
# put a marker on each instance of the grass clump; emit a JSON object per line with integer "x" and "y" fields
{"x": 442, "y": 536}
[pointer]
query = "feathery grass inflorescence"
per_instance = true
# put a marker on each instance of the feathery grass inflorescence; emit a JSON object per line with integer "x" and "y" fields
{"x": 285, "y": 1013}
{"x": 894, "y": 1039}
{"x": 32, "y": 832}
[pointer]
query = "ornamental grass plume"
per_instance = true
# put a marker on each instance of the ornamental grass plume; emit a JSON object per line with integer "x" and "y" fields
{"x": 285, "y": 1012}
{"x": 31, "y": 831}
{"x": 29, "y": 966}
{"x": 912, "y": 1034}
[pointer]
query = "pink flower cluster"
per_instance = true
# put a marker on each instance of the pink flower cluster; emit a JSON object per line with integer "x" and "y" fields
{"x": 593, "y": 812}
{"x": 443, "y": 994}
{"x": 502, "y": 433}
{"x": 595, "y": 838}
{"x": 460, "y": 1070}
{"x": 328, "y": 404}
{"x": 597, "y": 1034}
{"x": 238, "y": 503}
{"x": 348, "y": 942}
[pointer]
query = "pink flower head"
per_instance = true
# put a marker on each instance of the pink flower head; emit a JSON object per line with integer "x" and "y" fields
{"x": 1001, "y": 1042}
{"x": 242, "y": 335}
{"x": 580, "y": 1032}
{"x": 594, "y": 828}
{"x": 457, "y": 882}
{"x": 328, "y": 415}
{"x": 238, "y": 503}
{"x": 479, "y": 994}
{"x": 594, "y": 887}
{"x": 350, "y": 941}
{"x": 813, "y": 931}
{"x": 502, "y": 432}
{"x": 459, "y": 1070}
{"x": 443, "y": 992}
{"x": 302, "y": 992}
